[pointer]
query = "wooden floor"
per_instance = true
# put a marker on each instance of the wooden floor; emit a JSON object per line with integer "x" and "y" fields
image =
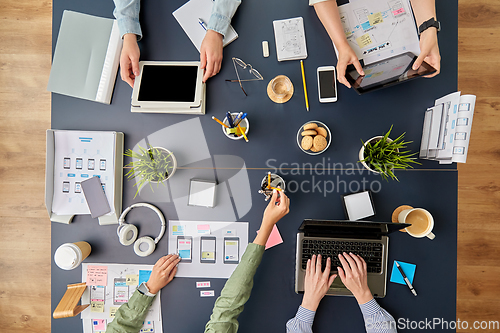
{"x": 25, "y": 54}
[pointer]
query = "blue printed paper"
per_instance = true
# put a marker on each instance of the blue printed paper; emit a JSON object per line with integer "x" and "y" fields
{"x": 185, "y": 254}
{"x": 409, "y": 270}
{"x": 144, "y": 276}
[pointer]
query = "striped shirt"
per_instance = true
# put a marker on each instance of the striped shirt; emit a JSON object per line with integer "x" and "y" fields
{"x": 377, "y": 320}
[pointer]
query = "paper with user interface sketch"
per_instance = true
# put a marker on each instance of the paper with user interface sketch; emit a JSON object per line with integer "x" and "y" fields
{"x": 377, "y": 30}
{"x": 290, "y": 39}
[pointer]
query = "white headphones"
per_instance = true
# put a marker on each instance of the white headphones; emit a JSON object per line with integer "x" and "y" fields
{"x": 127, "y": 233}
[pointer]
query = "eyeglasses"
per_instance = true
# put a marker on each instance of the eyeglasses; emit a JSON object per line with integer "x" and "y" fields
{"x": 252, "y": 71}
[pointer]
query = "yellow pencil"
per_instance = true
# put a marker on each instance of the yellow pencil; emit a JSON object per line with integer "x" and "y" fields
{"x": 243, "y": 133}
{"x": 268, "y": 180}
{"x": 220, "y": 122}
{"x": 276, "y": 188}
{"x": 304, "y": 81}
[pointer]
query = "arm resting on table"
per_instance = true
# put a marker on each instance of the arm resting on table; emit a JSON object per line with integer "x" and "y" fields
{"x": 222, "y": 13}
{"x": 236, "y": 292}
{"x": 376, "y": 318}
{"x": 302, "y": 322}
{"x": 127, "y": 16}
{"x": 130, "y": 316}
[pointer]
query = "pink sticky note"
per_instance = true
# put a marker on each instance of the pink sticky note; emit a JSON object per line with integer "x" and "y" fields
{"x": 97, "y": 275}
{"x": 99, "y": 324}
{"x": 274, "y": 238}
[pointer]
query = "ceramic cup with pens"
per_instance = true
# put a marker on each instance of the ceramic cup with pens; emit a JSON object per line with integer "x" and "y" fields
{"x": 276, "y": 182}
{"x": 245, "y": 124}
{"x": 421, "y": 222}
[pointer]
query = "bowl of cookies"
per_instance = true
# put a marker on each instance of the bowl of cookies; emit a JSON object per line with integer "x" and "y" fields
{"x": 314, "y": 137}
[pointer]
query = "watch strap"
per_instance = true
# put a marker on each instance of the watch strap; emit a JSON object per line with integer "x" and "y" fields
{"x": 143, "y": 289}
{"x": 430, "y": 23}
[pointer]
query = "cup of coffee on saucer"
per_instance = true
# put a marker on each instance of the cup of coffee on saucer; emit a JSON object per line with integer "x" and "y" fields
{"x": 280, "y": 89}
{"x": 421, "y": 222}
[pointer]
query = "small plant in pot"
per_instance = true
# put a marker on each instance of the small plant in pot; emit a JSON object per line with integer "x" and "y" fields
{"x": 382, "y": 155}
{"x": 152, "y": 165}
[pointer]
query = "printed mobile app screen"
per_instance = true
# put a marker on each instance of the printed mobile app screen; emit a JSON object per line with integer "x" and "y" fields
{"x": 231, "y": 250}
{"x": 207, "y": 249}
{"x": 121, "y": 291}
{"x": 184, "y": 247}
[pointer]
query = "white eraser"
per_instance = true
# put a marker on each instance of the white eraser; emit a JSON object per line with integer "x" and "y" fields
{"x": 265, "y": 49}
{"x": 207, "y": 293}
{"x": 204, "y": 284}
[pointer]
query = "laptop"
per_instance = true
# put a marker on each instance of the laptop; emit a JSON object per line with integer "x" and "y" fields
{"x": 386, "y": 73}
{"x": 328, "y": 237}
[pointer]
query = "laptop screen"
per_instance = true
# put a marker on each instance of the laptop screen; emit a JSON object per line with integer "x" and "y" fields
{"x": 347, "y": 229}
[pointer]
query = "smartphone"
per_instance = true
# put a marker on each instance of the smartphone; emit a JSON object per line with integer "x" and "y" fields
{"x": 231, "y": 250}
{"x": 207, "y": 249}
{"x": 120, "y": 292}
{"x": 185, "y": 248}
{"x": 327, "y": 84}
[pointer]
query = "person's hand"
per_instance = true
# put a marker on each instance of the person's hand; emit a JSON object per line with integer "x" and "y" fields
{"x": 211, "y": 53}
{"x": 316, "y": 283}
{"x": 129, "y": 59}
{"x": 276, "y": 209}
{"x": 163, "y": 272}
{"x": 354, "y": 277}
{"x": 429, "y": 51}
{"x": 347, "y": 57}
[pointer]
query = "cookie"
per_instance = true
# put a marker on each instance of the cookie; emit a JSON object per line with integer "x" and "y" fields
{"x": 310, "y": 126}
{"x": 309, "y": 132}
{"x": 307, "y": 142}
{"x": 322, "y": 131}
{"x": 319, "y": 142}
{"x": 314, "y": 150}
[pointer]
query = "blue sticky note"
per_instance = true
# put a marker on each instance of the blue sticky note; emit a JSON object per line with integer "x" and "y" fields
{"x": 185, "y": 254}
{"x": 144, "y": 276}
{"x": 409, "y": 270}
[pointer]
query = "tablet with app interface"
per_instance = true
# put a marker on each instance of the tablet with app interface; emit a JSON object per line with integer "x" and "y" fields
{"x": 168, "y": 85}
{"x": 386, "y": 73}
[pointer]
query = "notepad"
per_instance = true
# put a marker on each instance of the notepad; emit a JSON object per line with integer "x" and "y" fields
{"x": 290, "y": 39}
{"x": 86, "y": 57}
{"x": 188, "y": 16}
{"x": 409, "y": 270}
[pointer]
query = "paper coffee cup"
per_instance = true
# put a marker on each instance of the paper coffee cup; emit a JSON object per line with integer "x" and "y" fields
{"x": 421, "y": 222}
{"x": 70, "y": 255}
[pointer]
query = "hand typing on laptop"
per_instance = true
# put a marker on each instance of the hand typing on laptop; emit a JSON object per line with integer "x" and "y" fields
{"x": 353, "y": 274}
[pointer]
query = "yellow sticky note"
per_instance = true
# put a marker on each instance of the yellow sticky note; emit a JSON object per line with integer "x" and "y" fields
{"x": 375, "y": 18}
{"x": 112, "y": 311}
{"x": 96, "y": 306}
{"x": 132, "y": 279}
{"x": 364, "y": 40}
{"x": 174, "y": 228}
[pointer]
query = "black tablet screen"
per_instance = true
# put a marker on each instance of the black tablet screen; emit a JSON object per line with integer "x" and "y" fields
{"x": 168, "y": 83}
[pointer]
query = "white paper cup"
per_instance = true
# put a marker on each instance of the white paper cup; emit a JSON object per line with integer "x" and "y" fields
{"x": 70, "y": 255}
{"x": 243, "y": 123}
{"x": 405, "y": 217}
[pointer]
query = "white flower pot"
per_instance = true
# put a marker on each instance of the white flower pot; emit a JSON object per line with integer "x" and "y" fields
{"x": 362, "y": 152}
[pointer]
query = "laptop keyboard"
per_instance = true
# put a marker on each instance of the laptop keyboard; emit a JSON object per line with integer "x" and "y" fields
{"x": 371, "y": 252}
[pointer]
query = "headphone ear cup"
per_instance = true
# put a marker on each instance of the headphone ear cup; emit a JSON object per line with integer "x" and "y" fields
{"x": 127, "y": 234}
{"x": 144, "y": 241}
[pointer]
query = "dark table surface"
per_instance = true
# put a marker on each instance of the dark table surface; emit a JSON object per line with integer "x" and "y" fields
{"x": 272, "y": 144}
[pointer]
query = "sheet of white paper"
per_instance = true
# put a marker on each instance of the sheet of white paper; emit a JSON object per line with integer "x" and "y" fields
{"x": 79, "y": 156}
{"x": 464, "y": 126}
{"x": 377, "y": 30}
{"x": 290, "y": 39}
{"x": 206, "y": 270}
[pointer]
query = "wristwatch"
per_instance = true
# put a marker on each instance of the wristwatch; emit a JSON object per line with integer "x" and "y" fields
{"x": 143, "y": 289}
{"x": 429, "y": 24}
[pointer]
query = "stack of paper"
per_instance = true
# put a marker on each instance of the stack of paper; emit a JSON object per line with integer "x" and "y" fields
{"x": 447, "y": 128}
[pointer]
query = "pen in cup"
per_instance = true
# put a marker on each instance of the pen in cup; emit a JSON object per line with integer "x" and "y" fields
{"x": 243, "y": 116}
{"x": 229, "y": 119}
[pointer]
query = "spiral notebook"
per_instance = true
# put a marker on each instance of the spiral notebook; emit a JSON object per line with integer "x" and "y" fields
{"x": 290, "y": 39}
{"x": 188, "y": 16}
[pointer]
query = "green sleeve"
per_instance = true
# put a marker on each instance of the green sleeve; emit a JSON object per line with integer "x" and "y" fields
{"x": 236, "y": 292}
{"x": 130, "y": 316}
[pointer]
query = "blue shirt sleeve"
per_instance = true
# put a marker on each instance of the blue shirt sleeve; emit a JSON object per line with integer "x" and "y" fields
{"x": 302, "y": 322}
{"x": 127, "y": 16}
{"x": 222, "y": 13}
{"x": 377, "y": 319}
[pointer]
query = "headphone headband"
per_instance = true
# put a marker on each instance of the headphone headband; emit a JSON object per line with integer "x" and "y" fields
{"x": 122, "y": 222}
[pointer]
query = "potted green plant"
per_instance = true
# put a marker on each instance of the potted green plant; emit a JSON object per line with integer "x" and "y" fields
{"x": 152, "y": 165}
{"x": 382, "y": 155}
